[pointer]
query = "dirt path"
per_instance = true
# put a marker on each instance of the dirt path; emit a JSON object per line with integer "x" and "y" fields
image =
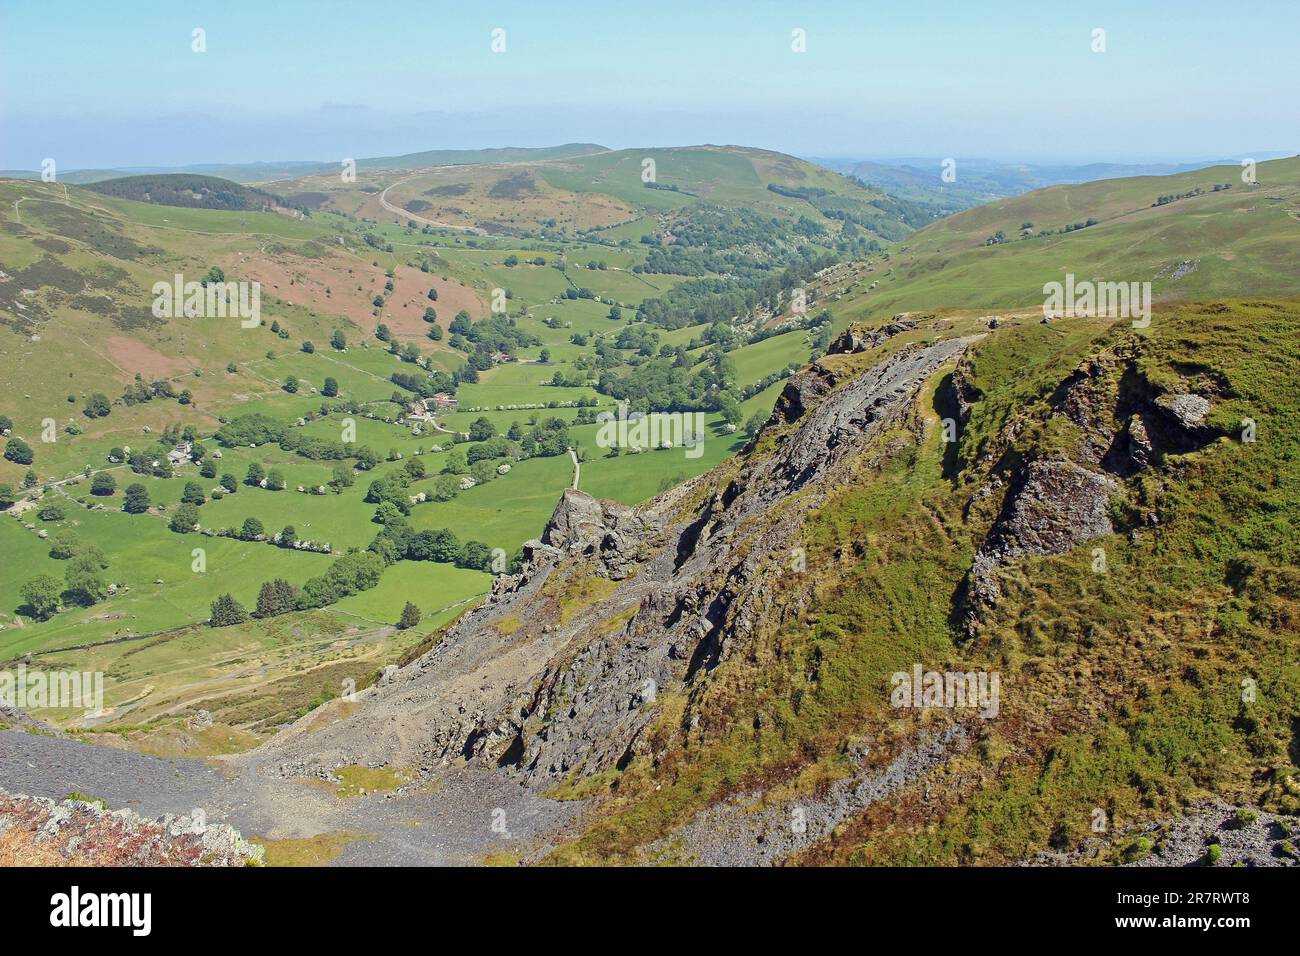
{"x": 398, "y": 210}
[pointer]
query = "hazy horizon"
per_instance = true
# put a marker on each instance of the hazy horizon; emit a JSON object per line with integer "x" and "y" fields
{"x": 329, "y": 81}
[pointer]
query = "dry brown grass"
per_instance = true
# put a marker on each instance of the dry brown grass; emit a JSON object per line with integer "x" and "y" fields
{"x": 19, "y": 848}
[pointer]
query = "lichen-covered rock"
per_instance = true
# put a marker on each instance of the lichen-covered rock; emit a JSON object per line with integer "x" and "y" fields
{"x": 1187, "y": 409}
{"x": 37, "y": 831}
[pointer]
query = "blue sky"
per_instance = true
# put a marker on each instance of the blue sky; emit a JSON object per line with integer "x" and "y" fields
{"x": 116, "y": 84}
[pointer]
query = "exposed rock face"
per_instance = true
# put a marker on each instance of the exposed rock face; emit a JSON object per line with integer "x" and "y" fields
{"x": 605, "y": 529}
{"x": 1053, "y": 505}
{"x": 854, "y": 340}
{"x": 1056, "y": 506}
{"x": 558, "y": 670}
{"x": 1186, "y": 409}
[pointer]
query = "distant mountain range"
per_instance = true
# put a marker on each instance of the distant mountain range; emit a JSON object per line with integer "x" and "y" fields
{"x": 977, "y": 181}
{"x": 263, "y": 172}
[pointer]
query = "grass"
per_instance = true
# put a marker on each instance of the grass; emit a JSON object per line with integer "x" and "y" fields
{"x": 1120, "y": 691}
{"x": 358, "y": 781}
{"x": 316, "y": 850}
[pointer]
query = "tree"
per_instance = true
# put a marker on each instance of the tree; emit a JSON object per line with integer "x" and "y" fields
{"x": 343, "y": 476}
{"x": 230, "y": 483}
{"x": 446, "y": 546}
{"x": 430, "y": 315}
{"x": 255, "y": 474}
{"x": 474, "y": 555}
{"x": 308, "y": 347}
{"x": 445, "y": 488}
{"x": 97, "y": 405}
{"x": 41, "y": 596}
{"x": 338, "y": 341}
{"x": 275, "y": 480}
{"x": 227, "y": 611}
{"x": 103, "y": 484}
{"x": 481, "y": 429}
{"x": 7, "y": 496}
{"x": 415, "y": 468}
{"x": 135, "y": 500}
{"x": 290, "y": 384}
{"x": 193, "y": 493}
{"x": 433, "y": 295}
{"x": 276, "y": 597}
{"x": 455, "y": 464}
{"x": 63, "y": 545}
{"x": 215, "y": 274}
{"x": 252, "y": 530}
{"x": 330, "y": 388}
{"x": 18, "y": 451}
{"x": 208, "y": 469}
{"x": 755, "y": 423}
{"x": 85, "y": 581}
{"x": 184, "y": 519}
{"x": 410, "y": 617}
{"x": 288, "y": 535}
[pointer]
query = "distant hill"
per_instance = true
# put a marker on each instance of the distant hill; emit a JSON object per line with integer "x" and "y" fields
{"x": 979, "y": 181}
{"x": 264, "y": 172}
{"x": 469, "y": 157}
{"x": 187, "y": 190}
{"x": 1194, "y": 235}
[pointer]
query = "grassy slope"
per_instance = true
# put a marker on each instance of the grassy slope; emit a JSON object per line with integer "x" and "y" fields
{"x": 1120, "y": 691}
{"x": 1244, "y": 238}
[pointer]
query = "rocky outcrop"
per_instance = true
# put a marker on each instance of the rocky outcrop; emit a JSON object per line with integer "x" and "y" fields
{"x": 41, "y": 832}
{"x": 1124, "y": 426}
{"x": 1055, "y": 506}
{"x": 558, "y": 671}
{"x": 854, "y": 339}
{"x": 581, "y": 525}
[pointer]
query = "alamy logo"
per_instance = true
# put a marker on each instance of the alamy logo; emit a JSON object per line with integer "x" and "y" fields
{"x": 41, "y": 689}
{"x": 209, "y": 300}
{"x": 949, "y": 689}
{"x": 637, "y": 432}
{"x": 1115, "y": 300}
{"x": 74, "y": 909}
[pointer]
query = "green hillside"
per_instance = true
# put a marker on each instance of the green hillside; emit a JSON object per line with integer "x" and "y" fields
{"x": 1205, "y": 243}
{"x": 187, "y": 190}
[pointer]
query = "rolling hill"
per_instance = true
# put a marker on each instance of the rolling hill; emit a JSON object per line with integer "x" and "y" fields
{"x": 189, "y": 191}
{"x": 1218, "y": 237}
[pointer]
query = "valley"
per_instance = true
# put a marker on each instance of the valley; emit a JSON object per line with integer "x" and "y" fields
{"x": 371, "y": 559}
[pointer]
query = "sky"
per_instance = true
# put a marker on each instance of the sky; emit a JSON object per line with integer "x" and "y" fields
{"x": 95, "y": 84}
